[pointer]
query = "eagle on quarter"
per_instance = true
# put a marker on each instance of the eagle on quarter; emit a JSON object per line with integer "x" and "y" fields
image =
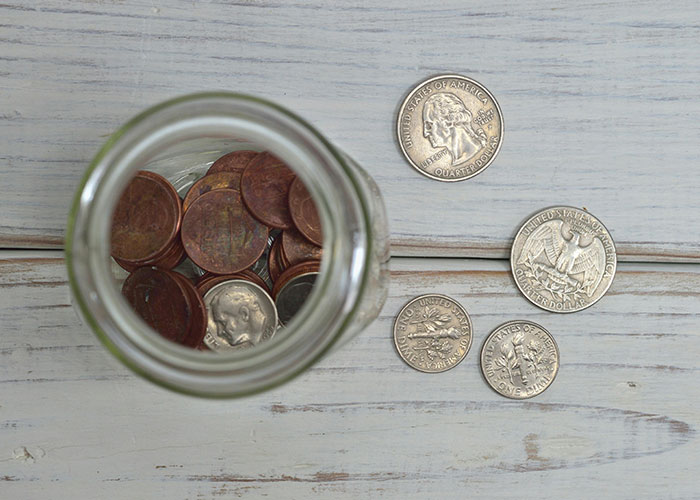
{"x": 565, "y": 256}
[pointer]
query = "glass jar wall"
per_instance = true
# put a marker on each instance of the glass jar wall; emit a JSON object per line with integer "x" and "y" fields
{"x": 179, "y": 140}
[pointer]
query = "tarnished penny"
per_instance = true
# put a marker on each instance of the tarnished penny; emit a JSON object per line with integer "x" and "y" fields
{"x": 172, "y": 257}
{"x": 563, "y": 259}
{"x": 274, "y": 260}
{"x": 450, "y": 128}
{"x": 211, "y": 182}
{"x": 146, "y": 219}
{"x": 311, "y": 266}
{"x": 241, "y": 315}
{"x": 208, "y": 282}
{"x": 519, "y": 359}
{"x": 160, "y": 300}
{"x": 265, "y": 188}
{"x": 198, "y": 323}
{"x": 296, "y": 248}
{"x": 234, "y": 162}
{"x": 304, "y": 214}
{"x": 433, "y": 333}
{"x": 219, "y": 234}
{"x": 292, "y": 296}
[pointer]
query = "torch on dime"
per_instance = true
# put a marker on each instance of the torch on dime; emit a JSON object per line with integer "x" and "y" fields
{"x": 519, "y": 359}
{"x": 433, "y": 333}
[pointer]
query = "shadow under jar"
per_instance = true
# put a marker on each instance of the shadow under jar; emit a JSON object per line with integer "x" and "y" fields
{"x": 180, "y": 139}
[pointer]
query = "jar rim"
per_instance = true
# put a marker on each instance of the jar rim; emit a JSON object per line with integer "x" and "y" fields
{"x": 205, "y": 374}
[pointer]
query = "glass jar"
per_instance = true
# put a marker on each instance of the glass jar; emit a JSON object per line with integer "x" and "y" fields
{"x": 179, "y": 139}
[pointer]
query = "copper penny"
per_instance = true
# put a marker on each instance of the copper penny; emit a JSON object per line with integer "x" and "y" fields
{"x": 146, "y": 219}
{"x": 304, "y": 214}
{"x": 310, "y": 266}
{"x": 235, "y": 162}
{"x": 160, "y": 300}
{"x": 170, "y": 258}
{"x": 211, "y": 182}
{"x": 220, "y": 235}
{"x": 207, "y": 284}
{"x": 274, "y": 260}
{"x": 198, "y": 323}
{"x": 265, "y": 190}
{"x": 296, "y": 248}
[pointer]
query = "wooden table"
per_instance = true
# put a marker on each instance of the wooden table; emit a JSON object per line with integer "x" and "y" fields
{"x": 601, "y": 111}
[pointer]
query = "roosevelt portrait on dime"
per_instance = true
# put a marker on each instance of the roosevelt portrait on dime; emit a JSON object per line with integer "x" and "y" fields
{"x": 237, "y": 318}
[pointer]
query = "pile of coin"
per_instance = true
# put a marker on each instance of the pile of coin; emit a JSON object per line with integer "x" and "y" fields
{"x": 563, "y": 259}
{"x": 250, "y": 231}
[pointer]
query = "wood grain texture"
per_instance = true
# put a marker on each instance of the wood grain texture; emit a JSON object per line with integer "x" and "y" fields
{"x": 600, "y": 102}
{"x": 620, "y": 420}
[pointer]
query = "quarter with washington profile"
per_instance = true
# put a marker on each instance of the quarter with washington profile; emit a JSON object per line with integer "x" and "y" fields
{"x": 450, "y": 128}
{"x": 563, "y": 259}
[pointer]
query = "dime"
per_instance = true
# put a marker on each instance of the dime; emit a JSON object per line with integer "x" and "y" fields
{"x": 241, "y": 315}
{"x": 304, "y": 214}
{"x": 292, "y": 296}
{"x": 233, "y": 162}
{"x": 563, "y": 259}
{"x": 265, "y": 188}
{"x": 219, "y": 234}
{"x": 450, "y": 128}
{"x": 160, "y": 300}
{"x": 211, "y": 182}
{"x": 146, "y": 219}
{"x": 519, "y": 359}
{"x": 296, "y": 248}
{"x": 433, "y": 333}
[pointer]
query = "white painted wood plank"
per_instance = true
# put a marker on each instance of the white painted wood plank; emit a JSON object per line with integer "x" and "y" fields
{"x": 620, "y": 420}
{"x": 600, "y": 102}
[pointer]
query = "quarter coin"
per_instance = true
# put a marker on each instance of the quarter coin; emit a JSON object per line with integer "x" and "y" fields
{"x": 519, "y": 359}
{"x": 563, "y": 259}
{"x": 241, "y": 315}
{"x": 219, "y": 234}
{"x": 450, "y": 128}
{"x": 433, "y": 333}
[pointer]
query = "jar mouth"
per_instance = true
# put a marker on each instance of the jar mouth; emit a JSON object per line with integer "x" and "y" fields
{"x": 328, "y": 310}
